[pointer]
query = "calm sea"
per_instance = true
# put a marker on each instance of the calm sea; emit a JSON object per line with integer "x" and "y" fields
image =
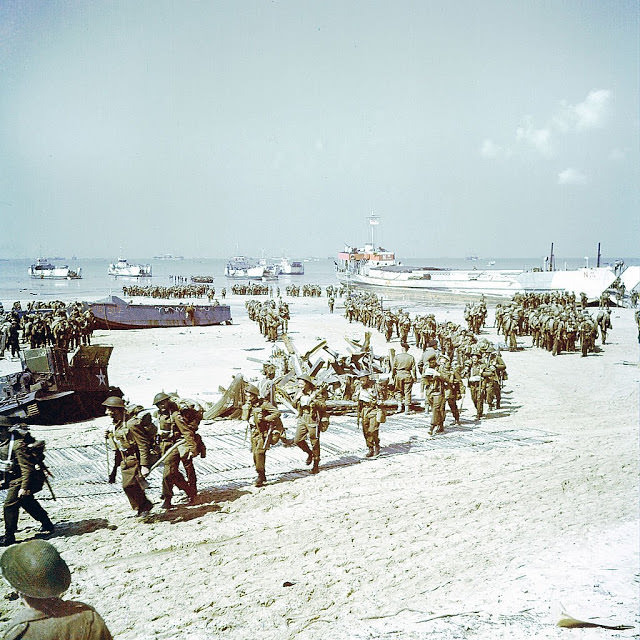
{"x": 15, "y": 283}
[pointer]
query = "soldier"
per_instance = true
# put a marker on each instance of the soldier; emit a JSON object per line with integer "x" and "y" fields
{"x": 310, "y": 407}
{"x": 38, "y": 573}
{"x": 437, "y": 386}
{"x": 476, "y": 384}
{"x": 369, "y": 414}
{"x": 266, "y": 386}
{"x": 169, "y": 435}
{"x": 403, "y": 373}
{"x": 266, "y": 428}
{"x": 23, "y": 475}
{"x": 134, "y": 446}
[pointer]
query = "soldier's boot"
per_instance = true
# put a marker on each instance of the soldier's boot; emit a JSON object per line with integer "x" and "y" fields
{"x": 305, "y": 447}
{"x": 7, "y": 540}
{"x": 316, "y": 466}
{"x": 166, "y": 504}
{"x": 370, "y": 453}
{"x": 376, "y": 449}
{"x": 262, "y": 479}
{"x": 46, "y": 527}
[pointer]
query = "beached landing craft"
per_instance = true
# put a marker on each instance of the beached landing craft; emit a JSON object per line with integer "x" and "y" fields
{"x": 243, "y": 267}
{"x": 123, "y": 268}
{"x": 55, "y": 387}
{"x": 288, "y": 267}
{"x": 377, "y": 267}
{"x": 115, "y": 313}
{"x": 43, "y": 269}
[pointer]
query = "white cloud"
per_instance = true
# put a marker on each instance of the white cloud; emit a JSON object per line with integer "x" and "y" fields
{"x": 540, "y": 139}
{"x": 571, "y": 176}
{"x": 492, "y": 150}
{"x": 589, "y": 114}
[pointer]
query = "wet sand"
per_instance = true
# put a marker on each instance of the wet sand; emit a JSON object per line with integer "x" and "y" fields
{"x": 458, "y": 542}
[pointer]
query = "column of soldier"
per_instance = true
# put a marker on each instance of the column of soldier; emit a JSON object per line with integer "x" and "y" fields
{"x": 272, "y": 321}
{"x": 175, "y": 291}
{"x": 554, "y": 321}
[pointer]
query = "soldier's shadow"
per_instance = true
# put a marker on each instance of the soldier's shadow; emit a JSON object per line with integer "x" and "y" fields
{"x": 67, "y": 529}
{"x": 208, "y": 502}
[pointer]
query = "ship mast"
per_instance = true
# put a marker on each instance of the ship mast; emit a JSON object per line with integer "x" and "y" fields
{"x": 374, "y": 221}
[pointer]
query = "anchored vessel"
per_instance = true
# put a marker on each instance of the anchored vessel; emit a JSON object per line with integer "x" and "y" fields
{"x": 374, "y": 266}
{"x": 124, "y": 268}
{"x": 113, "y": 312}
{"x": 243, "y": 267}
{"x": 55, "y": 387}
{"x": 43, "y": 269}
{"x": 290, "y": 267}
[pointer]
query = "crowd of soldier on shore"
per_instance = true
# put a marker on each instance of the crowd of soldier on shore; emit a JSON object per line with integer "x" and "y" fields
{"x": 45, "y": 324}
{"x": 555, "y": 322}
{"x": 272, "y": 320}
{"x": 175, "y": 291}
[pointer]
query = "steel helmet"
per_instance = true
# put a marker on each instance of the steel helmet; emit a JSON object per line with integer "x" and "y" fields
{"x": 160, "y": 397}
{"x": 35, "y": 569}
{"x": 307, "y": 378}
{"x": 114, "y": 401}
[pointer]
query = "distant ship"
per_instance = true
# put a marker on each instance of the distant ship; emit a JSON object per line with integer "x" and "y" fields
{"x": 243, "y": 267}
{"x": 43, "y": 269}
{"x": 288, "y": 267}
{"x": 113, "y": 312}
{"x": 168, "y": 256}
{"x": 377, "y": 267}
{"x": 123, "y": 268}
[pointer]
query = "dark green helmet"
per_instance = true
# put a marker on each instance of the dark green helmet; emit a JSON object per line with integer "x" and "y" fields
{"x": 35, "y": 569}
{"x": 160, "y": 397}
{"x": 114, "y": 401}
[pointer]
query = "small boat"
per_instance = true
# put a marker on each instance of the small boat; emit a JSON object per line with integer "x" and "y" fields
{"x": 291, "y": 267}
{"x": 113, "y": 312}
{"x": 243, "y": 267}
{"x": 55, "y": 387}
{"x": 168, "y": 256}
{"x": 123, "y": 268}
{"x": 43, "y": 269}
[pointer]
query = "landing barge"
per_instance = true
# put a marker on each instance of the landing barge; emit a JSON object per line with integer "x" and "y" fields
{"x": 113, "y": 312}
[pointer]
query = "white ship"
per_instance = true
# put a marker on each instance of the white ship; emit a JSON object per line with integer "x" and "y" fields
{"x": 43, "y": 269}
{"x": 243, "y": 267}
{"x": 377, "y": 267}
{"x": 123, "y": 268}
{"x": 288, "y": 267}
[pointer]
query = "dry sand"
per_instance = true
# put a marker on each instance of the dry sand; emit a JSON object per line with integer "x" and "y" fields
{"x": 458, "y": 542}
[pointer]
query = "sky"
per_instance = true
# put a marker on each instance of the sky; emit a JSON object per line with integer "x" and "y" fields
{"x": 215, "y": 128}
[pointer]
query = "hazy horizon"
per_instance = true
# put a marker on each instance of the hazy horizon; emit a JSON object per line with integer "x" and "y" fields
{"x": 214, "y": 129}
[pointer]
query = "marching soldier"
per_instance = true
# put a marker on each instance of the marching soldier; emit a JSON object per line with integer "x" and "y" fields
{"x": 169, "y": 435}
{"x": 310, "y": 406}
{"x": 266, "y": 428}
{"x": 403, "y": 373}
{"x": 23, "y": 475}
{"x": 369, "y": 414}
{"x": 134, "y": 445}
{"x": 38, "y": 573}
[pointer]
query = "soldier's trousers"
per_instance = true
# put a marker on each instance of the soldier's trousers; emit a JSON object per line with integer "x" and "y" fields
{"x": 438, "y": 413}
{"x": 370, "y": 426}
{"x": 259, "y": 452}
{"x": 478, "y": 396}
{"x": 130, "y": 472}
{"x": 306, "y": 427}
{"x": 189, "y": 469}
{"x": 12, "y": 504}
{"x": 404, "y": 384}
{"x": 453, "y": 405}
{"x": 171, "y": 476}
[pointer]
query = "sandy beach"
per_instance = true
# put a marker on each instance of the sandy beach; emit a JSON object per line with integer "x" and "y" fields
{"x": 487, "y": 531}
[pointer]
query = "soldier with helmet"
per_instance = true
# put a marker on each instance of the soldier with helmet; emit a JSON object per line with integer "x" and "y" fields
{"x": 310, "y": 406}
{"x": 403, "y": 372}
{"x": 134, "y": 445}
{"x": 368, "y": 413}
{"x": 38, "y": 573}
{"x": 266, "y": 428}
{"x": 169, "y": 435}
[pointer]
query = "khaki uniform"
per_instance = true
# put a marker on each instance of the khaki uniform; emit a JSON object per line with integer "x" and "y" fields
{"x": 368, "y": 410}
{"x": 134, "y": 445}
{"x": 404, "y": 375}
{"x": 263, "y": 417}
{"x": 57, "y": 619}
{"x": 309, "y": 408}
{"x": 171, "y": 476}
